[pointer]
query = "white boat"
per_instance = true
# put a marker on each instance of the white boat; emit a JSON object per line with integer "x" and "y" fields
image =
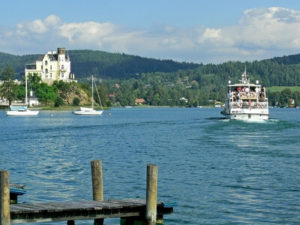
{"x": 22, "y": 110}
{"x": 87, "y": 110}
{"x": 246, "y": 101}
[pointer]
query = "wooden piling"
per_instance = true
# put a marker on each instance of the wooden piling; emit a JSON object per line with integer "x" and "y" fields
{"x": 151, "y": 198}
{"x": 97, "y": 181}
{"x": 71, "y": 222}
{"x": 4, "y": 198}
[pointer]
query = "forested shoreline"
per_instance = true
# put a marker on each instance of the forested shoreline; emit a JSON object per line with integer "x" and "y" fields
{"x": 123, "y": 78}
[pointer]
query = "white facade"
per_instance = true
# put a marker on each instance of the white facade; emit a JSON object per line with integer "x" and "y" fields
{"x": 52, "y": 66}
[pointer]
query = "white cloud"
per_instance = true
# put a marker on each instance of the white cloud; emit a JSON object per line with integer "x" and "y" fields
{"x": 89, "y": 32}
{"x": 260, "y": 33}
{"x": 53, "y": 21}
{"x": 210, "y": 34}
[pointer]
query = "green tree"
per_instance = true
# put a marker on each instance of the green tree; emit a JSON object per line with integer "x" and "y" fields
{"x": 285, "y": 96}
{"x": 46, "y": 94}
{"x": 9, "y": 88}
{"x": 76, "y": 101}
{"x": 102, "y": 95}
{"x": 58, "y": 101}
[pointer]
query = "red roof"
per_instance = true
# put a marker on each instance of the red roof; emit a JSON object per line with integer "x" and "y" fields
{"x": 140, "y": 101}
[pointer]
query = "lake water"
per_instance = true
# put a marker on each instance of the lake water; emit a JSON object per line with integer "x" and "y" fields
{"x": 212, "y": 171}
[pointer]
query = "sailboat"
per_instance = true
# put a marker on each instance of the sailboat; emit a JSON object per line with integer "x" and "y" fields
{"x": 22, "y": 110}
{"x": 87, "y": 110}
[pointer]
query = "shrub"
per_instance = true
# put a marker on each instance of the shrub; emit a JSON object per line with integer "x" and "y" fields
{"x": 76, "y": 101}
{"x": 58, "y": 102}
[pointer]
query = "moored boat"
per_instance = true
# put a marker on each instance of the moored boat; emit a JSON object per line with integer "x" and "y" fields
{"x": 87, "y": 110}
{"x": 246, "y": 101}
{"x": 22, "y": 110}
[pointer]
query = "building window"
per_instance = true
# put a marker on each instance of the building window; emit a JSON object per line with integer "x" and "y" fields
{"x": 62, "y": 67}
{"x": 51, "y": 75}
{"x": 41, "y": 67}
{"x": 46, "y": 71}
{"x": 46, "y": 62}
{"x": 51, "y": 67}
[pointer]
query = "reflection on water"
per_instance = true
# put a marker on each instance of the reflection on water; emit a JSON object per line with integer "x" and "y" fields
{"x": 212, "y": 170}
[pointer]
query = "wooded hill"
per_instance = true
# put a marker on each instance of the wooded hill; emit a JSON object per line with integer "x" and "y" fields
{"x": 165, "y": 82}
{"x": 103, "y": 64}
{"x": 279, "y": 71}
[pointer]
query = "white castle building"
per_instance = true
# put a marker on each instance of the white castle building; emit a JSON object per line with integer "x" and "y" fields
{"x": 52, "y": 66}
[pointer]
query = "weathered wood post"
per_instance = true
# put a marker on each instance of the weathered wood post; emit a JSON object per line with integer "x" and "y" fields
{"x": 4, "y": 198}
{"x": 71, "y": 222}
{"x": 97, "y": 180}
{"x": 151, "y": 198}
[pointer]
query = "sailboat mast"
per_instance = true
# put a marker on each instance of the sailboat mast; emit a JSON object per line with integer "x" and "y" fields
{"x": 92, "y": 92}
{"x": 26, "y": 94}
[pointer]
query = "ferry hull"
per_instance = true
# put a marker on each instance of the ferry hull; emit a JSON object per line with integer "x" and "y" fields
{"x": 248, "y": 117}
{"x": 246, "y": 114}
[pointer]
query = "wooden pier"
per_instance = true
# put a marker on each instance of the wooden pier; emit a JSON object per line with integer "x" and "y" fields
{"x": 130, "y": 211}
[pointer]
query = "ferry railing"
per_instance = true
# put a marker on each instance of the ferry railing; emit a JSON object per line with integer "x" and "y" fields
{"x": 247, "y": 105}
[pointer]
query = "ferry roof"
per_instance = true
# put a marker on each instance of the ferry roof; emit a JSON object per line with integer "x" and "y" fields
{"x": 244, "y": 85}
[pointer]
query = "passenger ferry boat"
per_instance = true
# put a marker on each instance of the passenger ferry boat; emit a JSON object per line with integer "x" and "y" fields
{"x": 246, "y": 101}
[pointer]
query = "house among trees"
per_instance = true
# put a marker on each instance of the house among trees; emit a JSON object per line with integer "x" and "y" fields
{"x": 140, "y": 101}
{"x": 52, "y": 66}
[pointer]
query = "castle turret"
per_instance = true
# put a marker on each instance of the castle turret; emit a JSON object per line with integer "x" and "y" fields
{"x": 61, "y": 51}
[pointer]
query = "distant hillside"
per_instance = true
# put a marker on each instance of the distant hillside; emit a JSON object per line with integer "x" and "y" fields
{"x": 103, "y": 64}
{"x": 165, "y": 82}
{"x": 16, "y": 62}
{"x": 115, "y": 65}
{"x": 277, "y": 71}
{"x": 287, "y": 60}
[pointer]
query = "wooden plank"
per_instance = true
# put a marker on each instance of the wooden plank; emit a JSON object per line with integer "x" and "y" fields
{"x": 68, "y": 211}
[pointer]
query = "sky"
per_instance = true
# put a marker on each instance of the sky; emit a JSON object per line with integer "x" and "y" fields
{"x": 200, "y": 31}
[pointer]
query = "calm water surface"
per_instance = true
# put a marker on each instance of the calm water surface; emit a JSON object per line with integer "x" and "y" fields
{"x": 212, "y": 171}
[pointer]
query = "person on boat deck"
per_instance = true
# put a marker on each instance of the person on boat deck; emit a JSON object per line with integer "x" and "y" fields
{"x": 239, "y": 89}
{"x": 262, "y": 94}
{"x": 234, "y": 96}
{"x": 247, "y": 90}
